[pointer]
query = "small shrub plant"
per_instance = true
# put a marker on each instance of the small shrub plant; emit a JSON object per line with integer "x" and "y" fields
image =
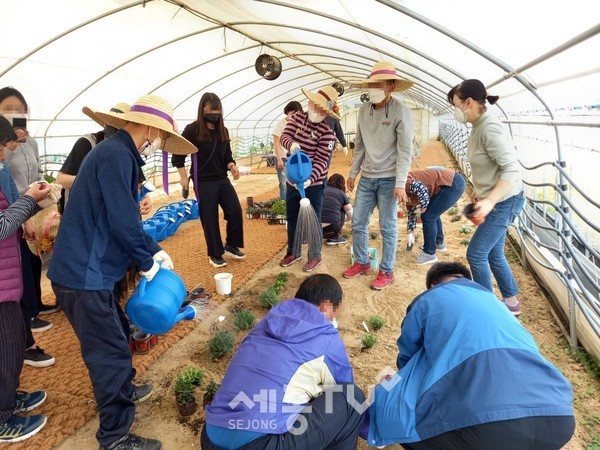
{"x": 221, "y": 344}
{"x": 368, "y": 341}
{"x": 376, "y": 322}
{"x": 244, "y": 319}
{"x": 269, "y": 298}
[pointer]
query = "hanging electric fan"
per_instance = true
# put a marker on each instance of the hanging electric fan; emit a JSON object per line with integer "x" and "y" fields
{"x": 268, "y": 67}
{"x": 339, "y": 88}
{"x": 364, "y": 97}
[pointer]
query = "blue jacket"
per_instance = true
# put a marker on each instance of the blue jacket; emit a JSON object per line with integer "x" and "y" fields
{"x": 100, "y": 231}
{"x": 464, "y": 360}
{"x": 286, "y": 361}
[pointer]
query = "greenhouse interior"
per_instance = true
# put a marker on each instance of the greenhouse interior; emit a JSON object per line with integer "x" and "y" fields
{"x": 257, "y": 56}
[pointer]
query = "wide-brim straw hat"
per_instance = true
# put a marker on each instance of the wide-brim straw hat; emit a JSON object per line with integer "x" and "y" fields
{"x": 156, "y": 112}
{"x": 385, "y": 70}
{"x": 46, "y": 223}
{"x": 325, "y": 98}
{"x": 119, "y": 108}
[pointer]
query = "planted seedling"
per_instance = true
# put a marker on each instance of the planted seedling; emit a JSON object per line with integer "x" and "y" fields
{"x": 465, "y": 229}
{"x": 279, "y": 283}
{"x": 465, "y": 242}
{"x": 211, "y": 390}
{"x": 368, "y": 340}
{"x": 373, "y": 235}
{"x": 376, "y": 322}
{"x": 244, "y": 319}
{"x": 456, "y": 218}
{"x": 185, "y": 385}
{"x": 269, "y": 298}
{"x": 221, "y": 345}
{"x": 453, "y": 211}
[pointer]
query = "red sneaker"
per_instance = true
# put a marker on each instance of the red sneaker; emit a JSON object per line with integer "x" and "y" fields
{"x": 383, "y": 280}
{"x": 312, "y": 265}
{"x": 356, "y": 269}
{"x": 289, "y": 259}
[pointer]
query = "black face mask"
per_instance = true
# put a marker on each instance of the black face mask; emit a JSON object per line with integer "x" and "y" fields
{"x": 212, "y": 118}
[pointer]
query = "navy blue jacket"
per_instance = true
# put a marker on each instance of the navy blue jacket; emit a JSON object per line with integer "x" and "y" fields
{"x": 100, "y": 231}
{"x": 464, "y": 360}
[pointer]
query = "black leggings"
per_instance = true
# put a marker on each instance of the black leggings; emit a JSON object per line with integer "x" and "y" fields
{"x": 528, "y": 433}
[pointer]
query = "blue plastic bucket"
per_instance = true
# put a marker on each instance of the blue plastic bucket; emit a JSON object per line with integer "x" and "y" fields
{"x": 154, "y": 306}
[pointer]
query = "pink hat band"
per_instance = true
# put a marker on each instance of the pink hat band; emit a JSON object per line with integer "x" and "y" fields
{"x": 383, "y": 72}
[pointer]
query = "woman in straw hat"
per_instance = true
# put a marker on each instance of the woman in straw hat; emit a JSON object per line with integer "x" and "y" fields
{"x": 309, "y": 132}
{"x": 383, "y": 148}
{"x": 211, "y": 184}
{"x": 498, "y": 188}
{"x": 99, "y": 235}
{"x": 14, "y": 427}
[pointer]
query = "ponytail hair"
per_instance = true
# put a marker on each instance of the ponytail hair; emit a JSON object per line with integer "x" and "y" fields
{"x": 474, "y": 89}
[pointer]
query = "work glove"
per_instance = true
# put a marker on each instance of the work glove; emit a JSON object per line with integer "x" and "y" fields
{"x": 53, "y": 196}
{"x": 295, "y": 147}
{"x": 150, "y": 274}
{"x": 164, "y": 259}
{"x": 345, "y": 150}
{"x": 306, "y": 184}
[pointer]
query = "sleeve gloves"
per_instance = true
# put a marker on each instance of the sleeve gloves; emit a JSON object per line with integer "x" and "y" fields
{"x": 161, "y": 259}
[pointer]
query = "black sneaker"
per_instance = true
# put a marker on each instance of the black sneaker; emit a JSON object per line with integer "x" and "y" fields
{"x": 134, "y": 442}
{"x": 234, "y": 252}
{"x": 217, "y": 261}
{"x": 37, "y": 357}
{"x": 48, "y": 309}
{"x": 38, "y": 325}
{"x": 18, "y": 428}
{"x": 141, "y": 393}
{"x": 26, "y": 401}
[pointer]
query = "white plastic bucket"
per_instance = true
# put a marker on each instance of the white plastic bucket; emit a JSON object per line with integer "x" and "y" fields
{"x": 223, "y": 281}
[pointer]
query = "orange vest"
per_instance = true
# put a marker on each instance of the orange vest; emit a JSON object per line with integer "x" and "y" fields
{"x": 434, "y": 179}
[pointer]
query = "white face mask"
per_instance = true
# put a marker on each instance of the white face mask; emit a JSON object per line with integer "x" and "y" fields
{"x": 376, "y": 95}
{"x": 459, "y": 115}
{"x": 149, "y": 148}
{"x": 315, "y": 117}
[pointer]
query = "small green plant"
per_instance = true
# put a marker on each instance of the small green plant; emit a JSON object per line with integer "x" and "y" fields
{"x": 453, "y": 211}
{"x": 221, "y": 344}
{"x": 465, "y": 242}
{"x": 456, "y": 218}
{"x": 186, "y": 383}
{"x": 368, "y": 340}
{"x": 466, "y": 229}
{"x": 244, "y": 319}
{"x": 345, "y": 235}
{"x": 373, "y": 235}
{"x": 278, "y": 208}
{"x": 376, "y": 322}
{"x": 49, "y": 177}
{"x": 269, "y": 298}
{"x": 279, "y": 283}
{"x": 211, "y": 390}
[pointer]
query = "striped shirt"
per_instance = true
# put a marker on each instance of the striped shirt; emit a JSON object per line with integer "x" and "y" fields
{"x": 315, "y": 139}
{"x": 17, "y": 213}
{"x": 420, "y": 190}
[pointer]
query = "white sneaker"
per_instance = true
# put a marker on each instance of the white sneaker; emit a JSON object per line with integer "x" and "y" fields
{"x": 425, "y": 258}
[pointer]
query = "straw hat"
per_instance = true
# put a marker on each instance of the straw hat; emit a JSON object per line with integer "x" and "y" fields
{"x": 325, "y": 98}
{"x": 46, "y": 222}
{"x": 156, "y": 112}
{"x": 385, "y": 70}
{"x": 119, "y": 108}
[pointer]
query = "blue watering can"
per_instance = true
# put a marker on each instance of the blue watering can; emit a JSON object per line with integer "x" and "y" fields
{"x": 192, "y": 205}
{"x": 150, "y": 228}
{"x": 298, "y": 169}
{"x": 161, "y": 227}
{"x": 154, "y": 306}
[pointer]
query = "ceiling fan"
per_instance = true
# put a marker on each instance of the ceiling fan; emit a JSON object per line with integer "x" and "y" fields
{"x": 268, "y": 67}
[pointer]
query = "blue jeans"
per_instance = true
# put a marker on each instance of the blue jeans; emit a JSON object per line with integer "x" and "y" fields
{"x": 282, "y": 179}
{"x": 433, "y": 231}
{"x": 486, "y": 249}
{"x": 373, "y": 192}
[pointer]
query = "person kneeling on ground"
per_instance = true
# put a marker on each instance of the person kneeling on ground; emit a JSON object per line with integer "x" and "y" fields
{"x": 290, "y": 384}
{"x": 470, "y": 376}
{"x": 336, "y": 210}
